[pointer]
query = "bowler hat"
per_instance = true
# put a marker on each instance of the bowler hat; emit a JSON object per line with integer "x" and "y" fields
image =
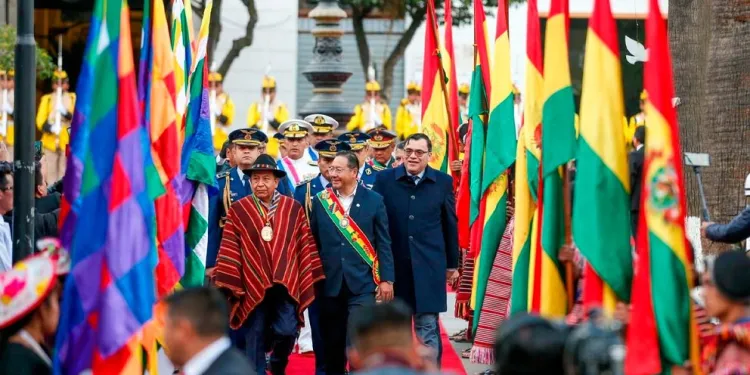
{"x": 265, "y": 163}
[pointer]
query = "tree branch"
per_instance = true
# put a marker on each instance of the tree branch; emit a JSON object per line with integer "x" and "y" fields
{"x": 417, "y": 18}
{"x": 358, "y": 17}
{"x": 215, "y": 28}
{"x": 241, "y": 43}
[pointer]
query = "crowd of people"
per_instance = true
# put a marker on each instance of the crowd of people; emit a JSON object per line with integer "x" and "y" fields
{"x": 342, "y": 244}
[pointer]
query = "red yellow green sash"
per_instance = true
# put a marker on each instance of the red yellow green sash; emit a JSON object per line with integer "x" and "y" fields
{"x": 351, "y": 232}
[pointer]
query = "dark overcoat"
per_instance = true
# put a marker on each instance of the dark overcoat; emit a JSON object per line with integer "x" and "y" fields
{"x": 422, "y": 223}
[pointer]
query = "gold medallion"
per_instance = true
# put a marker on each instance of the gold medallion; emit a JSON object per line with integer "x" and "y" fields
{"x": 266, "y": 233}
{"x": 344, "y": 222}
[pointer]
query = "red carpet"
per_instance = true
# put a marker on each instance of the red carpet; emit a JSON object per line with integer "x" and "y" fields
{"x": 304, "y": 364}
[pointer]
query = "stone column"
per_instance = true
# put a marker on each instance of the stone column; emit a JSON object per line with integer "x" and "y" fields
{"x": 327, "y": 71}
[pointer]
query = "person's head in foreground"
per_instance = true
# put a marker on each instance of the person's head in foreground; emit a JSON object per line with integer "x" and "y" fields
{"x": 529, "y": 344}
{"x": 726, "y": 287}
{"x": 196, "y": 318}
{"x": 381, "y": 336}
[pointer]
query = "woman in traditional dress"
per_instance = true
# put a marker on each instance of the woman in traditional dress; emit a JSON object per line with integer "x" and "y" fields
{"x": 29, "y": 314}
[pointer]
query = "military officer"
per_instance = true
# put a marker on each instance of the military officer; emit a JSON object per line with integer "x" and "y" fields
{"x": 297, "y": 164}
{"x": 372, "y": 112}
{"x": 224, "y": 161}
{"x": 222, "y": 109}
{"x": 358, "y": 143}
{"x": 268, "y": 113}
{"x": 323, "y": 127}
{"x": 637, "y": 120}
{"x": 280, "y": 145}
{"x": 381, "y": 142}
{"x": 409, "y": 113}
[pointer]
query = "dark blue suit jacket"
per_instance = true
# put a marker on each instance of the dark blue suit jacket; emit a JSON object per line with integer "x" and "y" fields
{"x": 735, "y": 231}
{"x": 216, "y": 209}
{"x": 340, "y": 260}
{"x": 300, "y": 193}
{"x": 423, "y": 226}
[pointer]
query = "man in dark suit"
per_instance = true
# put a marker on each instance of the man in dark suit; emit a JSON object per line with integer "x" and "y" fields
{"x": 422, "y": 222}
{"x": 350, "y": 227}
{"x": 635, "y": 161}
{"x": 195, "y": 327}
{"x": 304, "y": 194}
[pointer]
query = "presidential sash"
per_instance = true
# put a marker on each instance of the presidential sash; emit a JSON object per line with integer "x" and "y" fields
{"x": 351, "y": 231}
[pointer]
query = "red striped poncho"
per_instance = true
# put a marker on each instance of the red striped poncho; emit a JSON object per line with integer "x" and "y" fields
{"x": 247, "y": 265}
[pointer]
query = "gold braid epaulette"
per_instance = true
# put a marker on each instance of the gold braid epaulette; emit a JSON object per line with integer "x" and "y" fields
{"x": 227, "y": 201}
{"x": 308, "y": 201}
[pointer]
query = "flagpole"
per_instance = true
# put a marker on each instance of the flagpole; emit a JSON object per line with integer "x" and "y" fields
{"x": 569, "y": 279}
{"x": 451, "y": 136}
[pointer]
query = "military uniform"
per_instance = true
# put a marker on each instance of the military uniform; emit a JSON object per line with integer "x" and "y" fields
{"x": 276, "y": 110}
{"x": 463, "y": 90}
{"x": 381, "y": 139}
{"x": 304, "y": 168}
{"x": 55, "y": 136}
{"x": 358, "y": 142}
{"x": 370, "y": 114}
{"x": 222, "y": 112}
{"x": 7, "y": 130}
{"x": 323, "y": 127}
{"x": 409, "y": 115}
{"x": 629, "y": 126}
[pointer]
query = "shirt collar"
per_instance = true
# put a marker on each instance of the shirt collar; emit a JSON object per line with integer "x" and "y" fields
{"x": 323, "y": 180}
{"x": 427, "y": 174}
{"x": 638, "y": 147}
{"x": 241, "y": 175}
{"x": 203, "y": 359}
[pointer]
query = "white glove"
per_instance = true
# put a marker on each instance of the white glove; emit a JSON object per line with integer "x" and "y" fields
{"x": 8, "y": 108}
{"x": 269, "y": 116}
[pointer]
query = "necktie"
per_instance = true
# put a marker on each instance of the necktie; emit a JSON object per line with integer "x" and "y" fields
{"x": 415, "y": 179}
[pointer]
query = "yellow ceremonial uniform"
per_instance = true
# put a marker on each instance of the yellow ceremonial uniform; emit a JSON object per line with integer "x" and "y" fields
{"x": 221, "y": 132}
{"x": 54, "y": 144}
{"x": 361, "y": 120}
{"x": 10, "y": 137}
{"x": 255, "y": 120}
{"x": 629, "y": 127}
{"x": 408, "y": 119}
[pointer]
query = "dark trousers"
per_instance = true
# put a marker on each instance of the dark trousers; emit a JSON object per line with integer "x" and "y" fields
{"x": 273, "y": 324}
{"x": 334, "y": 317}
{"x": 313, "y": 312}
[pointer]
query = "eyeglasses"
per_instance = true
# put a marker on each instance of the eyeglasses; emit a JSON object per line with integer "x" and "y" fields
{"x": 338, "y": 169}
{"x": 419, "y": 153}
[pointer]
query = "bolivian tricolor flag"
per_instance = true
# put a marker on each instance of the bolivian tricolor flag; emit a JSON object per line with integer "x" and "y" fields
{"x": 558, "y": 148}
{"x": 601, "y": 206}
{"x": 522, "y": 236}
{"x": 501, "y": 138}
{"x": 435, "y": 115}
{"x": 478, "y": 115}
{"x": 662, "y": 331}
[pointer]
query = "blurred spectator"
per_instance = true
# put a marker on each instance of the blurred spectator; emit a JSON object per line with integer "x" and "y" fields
{"x": 383, "y": 343}
{"x": 529, "y": 344}
{"x": 398, "y": 154}
{"x": 6, "y": 205}
{"x": 196, "y": 324}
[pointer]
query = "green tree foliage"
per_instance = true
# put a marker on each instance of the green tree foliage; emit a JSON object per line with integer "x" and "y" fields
{"x": 45, "y": 66}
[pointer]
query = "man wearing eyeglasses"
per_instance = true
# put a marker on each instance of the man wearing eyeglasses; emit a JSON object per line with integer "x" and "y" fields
{"x": 422, "y": 220}
{"x": 6, "y": 205}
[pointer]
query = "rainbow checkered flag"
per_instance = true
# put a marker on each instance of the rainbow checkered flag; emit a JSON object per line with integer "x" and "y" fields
{"x": 107, "y": 217}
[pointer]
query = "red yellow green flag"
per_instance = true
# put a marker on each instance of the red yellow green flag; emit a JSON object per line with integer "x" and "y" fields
{"x": 435, "y": 112}
{"x": 501, "y": 138}
{"x": 662, "y": 332}
{"x": 601, "y": 206}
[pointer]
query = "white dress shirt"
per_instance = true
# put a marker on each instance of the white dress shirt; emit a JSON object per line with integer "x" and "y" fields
{"x": 323, "y": 181}
{"x": 6, "y": 246}
{"x": 420, "y": 175}
{"x": 346, "y": 201}
{"x": 242, "y": 175}
{"x": 203, "y": 360}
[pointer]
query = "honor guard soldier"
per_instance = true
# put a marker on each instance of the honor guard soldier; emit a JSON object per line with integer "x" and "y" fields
{"x": 463, "y": 102}
{"x": 222, "y": 110}
{"x": 372, "y": 112}
{"x": 8, "y": 84}
{"x": 298, "y": 165}
{"x": 323, "y": 127}
{"x": 382, "y": 142}
{"x": 637, "y": 120}
{"x": 53, "y": 119}
{"x": 267, "y": 114}
{"x": 358, "y": 143}
{"x": 409, "y": 113}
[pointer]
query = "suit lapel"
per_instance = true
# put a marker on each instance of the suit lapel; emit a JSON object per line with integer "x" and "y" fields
{"x": 358, "y": 197}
